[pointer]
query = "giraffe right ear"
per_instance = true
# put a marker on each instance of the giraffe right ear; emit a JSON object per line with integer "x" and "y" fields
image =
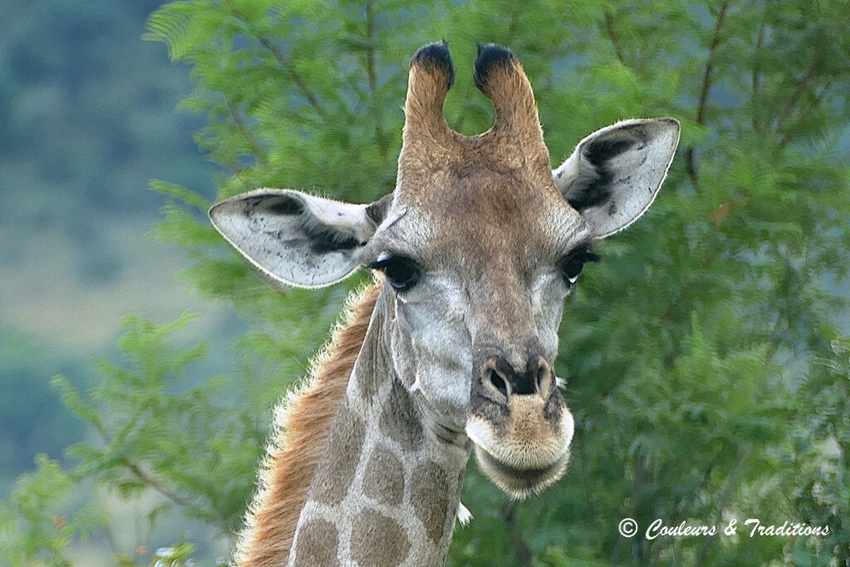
{"x": 615, "y": 173}
{"x": 298, "y": 239}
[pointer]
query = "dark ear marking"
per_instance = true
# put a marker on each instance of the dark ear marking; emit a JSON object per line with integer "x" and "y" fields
{"x": 323, "y": 240}
{"x": 489, "y": 57}
{"x": 599, "y": 186}
{"x": 280, "y": 205}
{"x": 594, "y": 193}
{"x": 436, "y": 55}
{"x": 598, "y": 153}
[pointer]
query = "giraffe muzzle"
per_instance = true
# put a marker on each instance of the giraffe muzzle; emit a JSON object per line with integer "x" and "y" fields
{"x": 519, "y": 424}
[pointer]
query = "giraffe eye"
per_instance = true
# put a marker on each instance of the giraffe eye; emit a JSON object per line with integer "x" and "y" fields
{"x": 401, "y": 272}
{"x": 573, "y": 263}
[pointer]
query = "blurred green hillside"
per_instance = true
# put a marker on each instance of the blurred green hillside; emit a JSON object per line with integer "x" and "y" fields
{"x": 87, "y": 119}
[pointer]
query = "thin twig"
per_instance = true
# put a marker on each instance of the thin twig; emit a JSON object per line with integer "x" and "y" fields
{"x": 798, "y": 92}
{"x": 370, "y": 53}
{"x": 285, "y": 63}
{"x": 514, "y": 23}
{"x": 111, "y": 541}
{"x": 139, "y": 473}
{"x": 246, "y": 132}
{"x": 615, "y": 39}
{"x": 585, "y": 475}
{"x": 293, "y": 74}
{"x": 691, "y": 168}
{"x": 804, "y": 115}
{"x": 709, "y": 66}
{"x": 155, "y": 485}
{"x": 724, "y": 498}
{"x": 372, "y": 73}
{"x": 756, "y": 67}
{"x": 523, "y": 553}
{"x": 690, "y": 158}
{"x": 639, "y": 545}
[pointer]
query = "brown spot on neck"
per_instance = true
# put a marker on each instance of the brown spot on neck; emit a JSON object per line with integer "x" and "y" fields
{"x": 320, "y": 540}
{"x": 429, "y": 493}
{"x": 378, "y": 541}
{"x": 384, "y": 478}
{"x": 332, "y": 481}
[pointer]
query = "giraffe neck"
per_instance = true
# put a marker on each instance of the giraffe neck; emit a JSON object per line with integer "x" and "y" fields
{"x": 387, "y": 488}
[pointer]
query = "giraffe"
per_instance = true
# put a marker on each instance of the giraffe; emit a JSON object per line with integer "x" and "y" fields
{"x": 450, "y": 350}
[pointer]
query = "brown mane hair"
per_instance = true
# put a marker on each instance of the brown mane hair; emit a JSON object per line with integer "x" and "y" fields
{"x": 302, "y": 425}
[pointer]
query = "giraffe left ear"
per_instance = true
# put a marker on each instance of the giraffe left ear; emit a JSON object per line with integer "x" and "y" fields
{"x": 615, "y": 173}
{"x": 295, "y": 238}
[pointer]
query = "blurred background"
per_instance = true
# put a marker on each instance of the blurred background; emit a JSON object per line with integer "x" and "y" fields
{"x": 87, "y": 118}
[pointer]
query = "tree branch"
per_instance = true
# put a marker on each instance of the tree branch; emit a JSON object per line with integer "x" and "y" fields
{"x": 756, "y": 85}
{"x": 299, "y": 81}
{"x": 615, "y": 39}
{"x": 246, "y": 132}
{"x": 798, "y": 92}
{"x": 690, "y": 158}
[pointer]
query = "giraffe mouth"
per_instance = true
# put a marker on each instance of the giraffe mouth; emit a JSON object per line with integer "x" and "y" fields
{"x": 525, "y": 453}
{"x": 520, "y": 482}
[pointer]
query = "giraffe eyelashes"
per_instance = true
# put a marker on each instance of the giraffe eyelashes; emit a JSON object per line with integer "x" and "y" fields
{"x": 573, "y": 263}
{"x": 401, "y": 272}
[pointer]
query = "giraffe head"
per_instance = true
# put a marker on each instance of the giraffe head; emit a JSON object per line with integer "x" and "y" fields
{"x": 478, "y": 245}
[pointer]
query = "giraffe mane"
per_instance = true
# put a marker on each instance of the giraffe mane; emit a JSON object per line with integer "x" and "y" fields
{"x": 302, "y": 426}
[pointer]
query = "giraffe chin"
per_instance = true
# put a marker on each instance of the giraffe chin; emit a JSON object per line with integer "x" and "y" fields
{"x": 520, "y": 483}
{"x": 517, "y": 461}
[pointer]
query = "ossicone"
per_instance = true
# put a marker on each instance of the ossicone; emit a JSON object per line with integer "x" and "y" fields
{"x": 431, "y": 77}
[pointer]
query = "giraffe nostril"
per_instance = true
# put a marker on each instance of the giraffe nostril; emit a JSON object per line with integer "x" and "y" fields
{"x": 545, "y": 376}
{"x": 499, "y": 383}
{"x": 496, "y": 378}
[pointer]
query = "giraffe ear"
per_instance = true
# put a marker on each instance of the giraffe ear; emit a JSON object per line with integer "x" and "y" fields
{"x": 297, "y": 239}
{"x": 615, "y": 173}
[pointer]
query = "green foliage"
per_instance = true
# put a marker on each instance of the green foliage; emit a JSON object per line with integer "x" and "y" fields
{"x": 163, "y": 434}
{"x": 702, "y": 359}
{"x": 195, "y": 446}
{"x": 31, "y": 533}
{"x": 821, "y": 456}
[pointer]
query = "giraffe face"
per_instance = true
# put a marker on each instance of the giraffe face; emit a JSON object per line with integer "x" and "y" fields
{"x": 476, "y": 311}
{"x": 478, "y": 246}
